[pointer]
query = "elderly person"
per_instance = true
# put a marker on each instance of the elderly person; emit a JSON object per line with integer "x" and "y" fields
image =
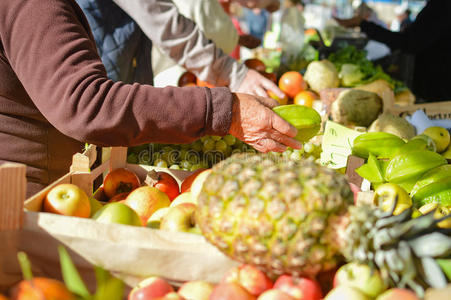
{"x": 125, "y": 31}
{"x": 55, "y": 95}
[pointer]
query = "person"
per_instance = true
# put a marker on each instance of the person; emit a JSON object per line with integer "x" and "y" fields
{"x": 125, "y": 31}
{"x": 257, "y": 20}
{"x": 55, "y": 96}
{"x": 428, "y": 38}
{"x": 403, "y": 19}
{"x": 213, "y": 21}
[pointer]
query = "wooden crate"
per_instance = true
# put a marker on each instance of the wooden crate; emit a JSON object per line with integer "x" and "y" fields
{"x": 434, "y": 110}
{"x": 131, "y": 253}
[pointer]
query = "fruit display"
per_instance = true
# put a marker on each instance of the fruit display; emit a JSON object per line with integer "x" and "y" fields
{"x": 290, "y": 217}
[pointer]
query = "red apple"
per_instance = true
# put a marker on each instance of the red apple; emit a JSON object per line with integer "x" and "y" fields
{"x": 150, "y": 288}
{"x": 249, "y": 277}
{"x": 146, "y": 200}
{"x": 345, "y": 292}
{"x": 186, "y": 78}
{"x": 274, "y": 294}
{"x": 164, "y": 182}
{"x": 361, "y": 277}
{"x": 68, "y": 200}
{"x": 120, "y": 181}
{"x": 299, "y": 288}
{"x": 180, "y": 218}
{"x": 397, "y": 294}
{"x": 196, "y": 290}
{"x": 186, "y": 184}
{"x": 230, "y": 291}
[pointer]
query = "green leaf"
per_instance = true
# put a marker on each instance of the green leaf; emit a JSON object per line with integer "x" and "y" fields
{"x": 25, "y": 265}
{"x": 71, "y": 276}
{"x": 108, "y": 287}
{"x": 445, "y": 264}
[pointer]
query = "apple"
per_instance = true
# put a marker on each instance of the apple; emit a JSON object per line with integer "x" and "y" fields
{"x": 196, "y": 290}
{"x": 299, "y": 287}
{"x": 120, "y": 181}
{"x": 117, "y": 213}
{"x": 197, "y": 184}
{"x": 180, "y": 218}
{"x": 95, "y": 204}
{"x": 186, "y": 184}
{"x": 361, "y": 277}
{"x": 396, "y": 294}
{"x": 274, "y": 294}
{"x": 155, "y": 219}
{"x": 118, "y": 197}
{"x": 345, "y": 292}
{"x": 164, "y": 182}
{"x": 150, "y": 288}
{"x": 146, "y": 200}
{"x": 230, "y": 291}
{"x": 170, "y": 296}
{"x": 249, "y": 277}
{"x": 183, "y": 198}
{"x": 40, "y": 288}
{"x": 68, "y": 200}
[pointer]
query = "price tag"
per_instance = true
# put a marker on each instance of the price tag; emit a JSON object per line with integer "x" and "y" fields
{"x": 337, "y": 145}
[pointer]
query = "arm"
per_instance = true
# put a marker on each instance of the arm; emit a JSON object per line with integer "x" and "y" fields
{"x": 427, "y": 29}
{"x": 184, "y": 42}
{"x": 49, "y": 48}
{"x": 212, "y": 20}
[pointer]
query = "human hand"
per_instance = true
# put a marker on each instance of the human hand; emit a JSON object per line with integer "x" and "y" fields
{"x": 348, "y": 23}
{"x": 254, "y": 123}
{"x": 249, "y": 41}
{"x": 256, "y": 84}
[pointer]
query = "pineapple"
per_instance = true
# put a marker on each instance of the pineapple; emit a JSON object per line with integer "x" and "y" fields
{"x": 296, "y": 217}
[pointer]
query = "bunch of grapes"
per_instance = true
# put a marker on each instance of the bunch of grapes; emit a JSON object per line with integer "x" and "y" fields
{"x": 203, "y": 153}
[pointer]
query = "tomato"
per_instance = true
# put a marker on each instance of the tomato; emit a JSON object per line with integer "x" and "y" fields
{"x": 305, "y": 98}
{"x": 291, "y": 83}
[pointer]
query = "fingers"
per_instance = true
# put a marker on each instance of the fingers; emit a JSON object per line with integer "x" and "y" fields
{"x": 283, "y": 126}
{"x": 285, "y": 140}
{"x": 269, "y": 85}
{"x": 268, "y": 102}
{"x": 267, "y": 145}
{"x": 259, "y": 91}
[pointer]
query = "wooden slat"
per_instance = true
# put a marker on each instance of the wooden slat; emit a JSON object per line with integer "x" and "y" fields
{"x": 13, "y": 183}
{"x": 118, "y": 157}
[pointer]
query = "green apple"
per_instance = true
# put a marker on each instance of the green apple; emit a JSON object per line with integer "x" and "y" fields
{"x": 344, "y": 292}
{"x": 96, "y": 205}
{"x": 118, "y": 213}
{"x": 180, "y": 218}
{"x": 155, "y": 219}
{"x": 360, "y": 277}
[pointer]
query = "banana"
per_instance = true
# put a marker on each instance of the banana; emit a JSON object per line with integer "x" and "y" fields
{"x": 431, "y": 183}
{"x": 381, "y": 144}
{"x": 412, "y": 165}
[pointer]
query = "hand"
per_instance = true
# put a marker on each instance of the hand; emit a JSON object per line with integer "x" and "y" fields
{"x": 256, "y": 84}
{"x": 249, "y": 41}
{"x": 352, "y": 22}
{"x": 256, "y": 124}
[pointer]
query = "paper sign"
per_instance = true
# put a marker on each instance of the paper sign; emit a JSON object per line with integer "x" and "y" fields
{"x": 337, "y": 145}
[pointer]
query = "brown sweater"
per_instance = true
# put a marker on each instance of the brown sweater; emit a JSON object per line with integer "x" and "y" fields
{"x": 54, "y": 95}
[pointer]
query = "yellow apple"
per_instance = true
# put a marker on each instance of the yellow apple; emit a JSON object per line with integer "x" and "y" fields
{"x": 440, "y": 136}
{"x": 183, "y": 198}
{"x": 196, "y": 290}
{"x": 69, "y": 200}
{"x": 146, "y": 200}
{"x": 180, "y": 218}
{"x": 96, "y": 205}
{"x": 155, "y": 219}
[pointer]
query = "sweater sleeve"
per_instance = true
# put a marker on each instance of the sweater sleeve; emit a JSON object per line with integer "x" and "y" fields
{"x": 425, "y": 31}
{"x": 48, "y": 45}
{"x": 183, "y": 41}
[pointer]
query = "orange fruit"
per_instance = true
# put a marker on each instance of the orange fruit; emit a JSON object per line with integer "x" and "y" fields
{"x": 204, "y": 83}
{"x": 41, "y": 288}
{"x": 305, "y": 98}
{"x": 291, "y": 83}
